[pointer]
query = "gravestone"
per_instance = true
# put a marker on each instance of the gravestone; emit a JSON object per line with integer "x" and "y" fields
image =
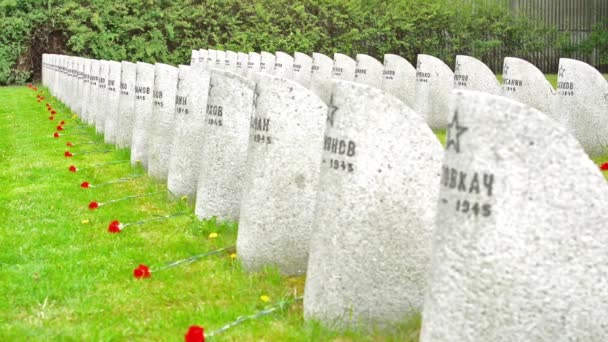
{"x": 211, "y": 56}
{"x": 190, "y": 105}
{"x": 220, "y": 59}
{"x": 241, "y": 63}
{"x": 434, "y": 84}
{"x": 91, "y": 107}
{"x": 163, "y": 120}
{"x": 344, "y": 68}
{"x": 582, "y": 104}
{"x": 194, "y": 57}
{"x": 284, "y": 158}
{"x": 522, "y": 81}
{"x": 472, "y": 74}
{"x": 283, "y": 66}
{"x": 253, "y": 65}
{"x": 224, "y": 149}
{"x": 399, "y": 79}
{"x": 520, "y": 246}
{"x": 78, "y": 89}
{"x": 302, "y": 68}
{"x": 375, "y": 212}
{"x": 112, "y": 103}
{"x": 202, "y": 56}
{"x": 368, "y": 71}
{"x": 126, "y": 104}
{"x": 144, "y": 113}
{"x": 231, "y": 60}
{"x": 102, "y": 94}
{"x": 267, "y": 60}
{"x": 85, "y": 98}
{"x": 320, "y": 76}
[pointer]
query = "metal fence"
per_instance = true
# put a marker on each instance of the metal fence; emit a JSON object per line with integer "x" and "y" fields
{"x": 574, "y": 18}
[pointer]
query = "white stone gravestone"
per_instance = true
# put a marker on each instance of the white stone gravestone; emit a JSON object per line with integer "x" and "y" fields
{"x": 582, "y": 104}
{"x": 253, "y": 65}
{"x": 472, "y": 74}
{"x": 375, "y": 212}
{"x": 144, "y": 114}
{"x": 102, "y": 94}
{"x": 91, "y": 107}
{"x": 344, "y": 68}
{"x": 126, "y": 104}
{"x": 112, "y": 101}
{"x": 267, "y": 61}
{"x": 163, "y": 122}
{"x": 231, "y": 60}
{"x": 520, "y": 246}
{"x": 522, "y": 81}
{"x": 220, "y": 59}
{"x": 202, "y": 56}
{"x": 190, "y": 105}
{"x": 434, "y": 84}
{"x": 320, "y": 76}
{"x": 241, "y": 63}
{"x": 283, "y": 66}
{"x": 224, "y": 149}
{"x": 368, "y": 71}
{"x": 302, "y": 68}
{"x": 194, "y": 57}
{"x": 285, "y": 145}
{"x": 85, "y": 98}
{"x": 399, "y": 79}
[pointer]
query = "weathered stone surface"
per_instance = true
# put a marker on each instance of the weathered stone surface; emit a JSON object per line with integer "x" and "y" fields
{"x": 91, "y": 107}
{"x": 220, "y": 59}
{"x": 191, "y": 102}
{"x": 582, "y": 104}
{"x": 434, "y": 84}
{"x": 368, "y": 71}
{"x": 194, "y": 57}
{"x": 79, "y": 88}
{"x": 163, "y": 125}
{"x": 231, "y": 61}
{"x": 241, "y": 63}
{"x": 224, "y": 149}
{"x": 320, "y": 77}
{"x": 375, "y": 211}
{"x": 211, "y": 54}
{"x": 282, "y": 174}
{"x": 302, "y": 68}
{"x": 267, "y": 60}
{"x": 472, "y": 74}
{"x": 202, "y": 56}
{"x": 283, "y": 66}
{"x": 126, "y": 104}
{"x": 344, "y": 68}
{"x": 111, "y": 102}
{"x": 85, "y": 98}
{"x": 520, "y": 246}
{"x": 144, "y": 105}
{"x": 522, "y": 81}
{"x": 253, "y": 65}
{"x": 399, "y": 79}
{"x": 101, "y": 95}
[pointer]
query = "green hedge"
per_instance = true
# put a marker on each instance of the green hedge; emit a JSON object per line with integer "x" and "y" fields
{"x": 163, "y": 30}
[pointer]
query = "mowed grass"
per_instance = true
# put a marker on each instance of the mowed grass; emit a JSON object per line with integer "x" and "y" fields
{"x": 62, "y": 279}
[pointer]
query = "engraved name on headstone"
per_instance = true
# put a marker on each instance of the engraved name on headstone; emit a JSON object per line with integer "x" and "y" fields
{"x": 126, "y": 104}
{"x": 91, "y": 107}
{"x": 302, "y": 68}
{"x": 253, "y": 65}
{"x": 112, "y": 102}
{"x": 267, "y": 61}
{"x": 434, "y": 84}
{"x": 399, "y": 79}
{"x": 283, "y": 65}
{"x": 320, "y": 76}
{"x": 143, "y": 121}
{"x": 522, "y": 81}
{"x": 102, "y": 94}
{"x": 220, "y": 59}
{"x": 472, "y": 74}
{"x": 241, "y": 63}
{"x": 202, "y": 56}
{"x": 230, "y": 62}
{"x": 368, "y": 71}
{"x": 344, "y": 68}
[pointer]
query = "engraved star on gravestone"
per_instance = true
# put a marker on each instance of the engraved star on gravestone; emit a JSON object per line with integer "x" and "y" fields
{"x": 399, "y": 79}
{"x": 525, "y": 83}
{"x": 368, "y": 71}
{"x": 473, "y": 74}
{"x": 434, "y": 83}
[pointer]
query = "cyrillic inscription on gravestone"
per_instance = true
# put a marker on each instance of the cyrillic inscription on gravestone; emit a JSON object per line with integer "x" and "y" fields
{"x": 190, "y": 104}
{"x": 267, "y": 60}
{"x": 102, "y": 94}
{"x": 286, "y": 140}
{"x": 85, "y": 98}
{"x": 302, "y": 68}
{"x": 399, "y": 79}
{"x": 163, "y": 123}
{"x": 230, "y": 63}
{"x": 320, "y": 77}
{"x": 253, "y": 65}
{"x": 224, "y": 149}
{"x": 522, "y": 81}
{"x": 344, "y": 68}
{"x": 241, "y": 63}
{"x": 375, "y": 211}
{"x": 582, "y": 104}
{"x": 194, "y": 57}
{"x": 126, "y": 104}
{"x": 283, "y": 66}
{"x": 143, "y": 121}
{"x": 520, "y": 246}
{"x": 211, "y": 56}
{"x": 202, "y": 56}
{"x": 472, "y": 74}
{"x": 368, "y": 71}
{"x": 91, "y": 107}
{"x": 111, "y": 102}
{"x": 220, "y": 59}
{"x": 434, "y": 83}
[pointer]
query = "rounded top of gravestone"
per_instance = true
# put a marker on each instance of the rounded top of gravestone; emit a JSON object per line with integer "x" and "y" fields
{"x": 318, "y": 58}
{"x": 126, "y": 63}
{"x": 368, "y": 71}
{"x": 301, "y": 55}
{"x": 398, "y": 61}
{"x": 144, "y": 64}
{"x": 164, "y": 67}
{"x": 472, "y": 74}
{"x": 433, "y": 61}
{"x": 342, "y": 58}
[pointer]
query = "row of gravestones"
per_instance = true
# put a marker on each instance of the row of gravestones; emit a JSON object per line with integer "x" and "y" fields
{"x": 344, "y": 187}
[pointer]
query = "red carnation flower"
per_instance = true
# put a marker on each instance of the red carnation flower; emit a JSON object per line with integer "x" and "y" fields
{"x": 56, "y": 135}
{"x": 62, "y": 122}
{"x": 48, "y": 108}
{"x": 93, "y": 205}
{"x": 73, "y": 168}
{"x": 142, "y": 271}
{"x": 195, "y": 334}
{"x": 29, "y": 85}
{"x": 59, "y": 128}
{"x": 69, "y": 144}
{"x": 67, "y": 154}
{"x": 85, "y": 185}
{"x": 51, "y": 117}
{"x": 115, "y": 227}
{"x": 53, "y": 112}
{"x": 604, "y": 167}
{"x": 38, "y": 100}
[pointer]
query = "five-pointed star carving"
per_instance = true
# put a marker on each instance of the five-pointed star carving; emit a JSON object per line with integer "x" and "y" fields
{"x": 505, "y": 69}
{"x": 418, "y": 64}
{"x": 454, "y": 133}
{"x": 457, "y": 67}
{"x": 331, "y": 111}
{"x": 255, "y": 97}
{"x": 561, "y": 72}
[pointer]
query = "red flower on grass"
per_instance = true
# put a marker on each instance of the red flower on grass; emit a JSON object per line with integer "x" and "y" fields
{"x": 115, "y": 227}
{"x": 604, "y": 167}
{"x": 85, "y": 185}
{"x": 195, "y": 334}
{"x": 142, "y": 271}
{"x": 73, "y": 168}
{"x": 56, "y": 135}
{"x": 59, "y": 128}
{"x": 67, "y": 154}
{"x": 53, "y": 112}
{"x": 51, "y": 117}
{"x": 69, "y": 144}
{"x": 93, "y": 205}
{"x": 29, "y": 85}
{"x": 62, "y": 122}
{"x": 38, "y": 100}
